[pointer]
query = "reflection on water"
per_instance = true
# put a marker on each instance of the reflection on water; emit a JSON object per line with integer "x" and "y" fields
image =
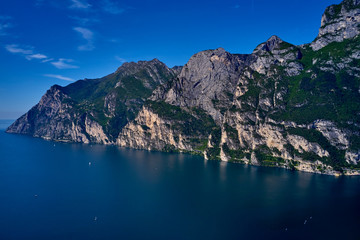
{"x": 137, "y": 194}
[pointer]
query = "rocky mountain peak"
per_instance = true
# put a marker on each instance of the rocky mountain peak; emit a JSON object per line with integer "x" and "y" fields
{"x": 208, "y": 75}
{"x": 275, "y": 51}
{"x": 338, "y": 22}
{"x": 333, "y": 12}
{"x": 274, "y": 42}
{"x": 54, "y": 88}
{"x": 140, "y": 64}
{"x": 205, "y": 64}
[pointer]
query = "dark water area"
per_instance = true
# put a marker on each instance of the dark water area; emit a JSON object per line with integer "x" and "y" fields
{"x": 75, "y": 191}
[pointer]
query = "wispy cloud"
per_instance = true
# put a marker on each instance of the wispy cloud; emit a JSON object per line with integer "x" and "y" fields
{"x": 28, "y": 53}
{"x": 64, "y": 63}
{"x": 122, "y": 60}
{"x": 59, "y": 77}
{"x": 80, "y": 4}
{"x": 14, "y": 48}
{"x": 5, "y": 25}
{"x": 88, "y": 35}
{"x": 111, "y": 7}
{"x": 47, "y": 60}
{"x": 113, "y": 40}
{"x": 36, "y": 56}
{"x": 84, "y": 21}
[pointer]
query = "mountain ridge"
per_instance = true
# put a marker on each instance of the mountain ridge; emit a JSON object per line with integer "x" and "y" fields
{"x": 280, "y": 106}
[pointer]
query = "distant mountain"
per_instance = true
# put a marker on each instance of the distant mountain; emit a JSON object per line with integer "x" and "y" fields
{"x": 295, "y": 107}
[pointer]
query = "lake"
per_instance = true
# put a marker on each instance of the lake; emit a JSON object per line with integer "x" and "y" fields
{"x": 76, "y": 191}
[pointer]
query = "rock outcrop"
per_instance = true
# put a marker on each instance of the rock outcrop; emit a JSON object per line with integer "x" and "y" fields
{"x": 339, "y": 22}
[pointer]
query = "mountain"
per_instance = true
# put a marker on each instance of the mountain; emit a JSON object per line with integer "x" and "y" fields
{"x": 295, "y": 107}
{"x": 94, "y": 110}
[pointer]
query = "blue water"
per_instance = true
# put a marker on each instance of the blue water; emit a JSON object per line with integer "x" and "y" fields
{"x": 49, "y": 191}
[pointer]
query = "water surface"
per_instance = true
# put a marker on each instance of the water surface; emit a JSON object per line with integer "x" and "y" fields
{"x": 50, "y": 191}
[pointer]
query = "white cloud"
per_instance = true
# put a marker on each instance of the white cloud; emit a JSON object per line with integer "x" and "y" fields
{"x": 86, "y": 47}
{"x": 122, "y": 60}
{"x": 88, "y": 35}
{"x": 63, "y": 63}
{"x": 113, "y": 40}
{"x": 111, "y": 7}
{"x": 47, "y": 60}
{"x": 36, "y": 56}
{"x": 14, "y": 48}
{"x": 59, "y": 77}
{"x": 29, "y": 54}
{"x": 4, "y": 25}
{"x": 84, "y": 21}
{"x": 80, "y": 4}
{"x": 85, "y": 33}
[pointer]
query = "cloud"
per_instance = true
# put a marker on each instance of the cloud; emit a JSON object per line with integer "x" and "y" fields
{"x": 111, "y": 7}
{"x": 88, "y": 35}
{"x": 14, "y": 48}
{"x": 4, "y": 25}
{"x": 63, "y": 63}
{"x": 84, "y": 21}
{"x": 29, "y": 54}
{"x": 86, "y": 47}
{"x": 80, "y": 4}
{"x": 85, "y": 33}
{"x": 122, "y": 60}
{"x": 113, "y": 40}
{"x": 47, "y": 60}
{"x": 59, "y": 77}
{"x": 36, "y": 56}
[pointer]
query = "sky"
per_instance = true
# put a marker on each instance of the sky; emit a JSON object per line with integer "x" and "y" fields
{"x": 47, "y": 42}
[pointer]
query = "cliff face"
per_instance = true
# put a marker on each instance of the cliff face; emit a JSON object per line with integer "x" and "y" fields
{"x": 282, "y": 106}
{"x": 271, "y": 108}
{"x": 53, "y": 118}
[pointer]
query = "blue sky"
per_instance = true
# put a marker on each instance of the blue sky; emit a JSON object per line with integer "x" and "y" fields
{"x": 47, "y": 42}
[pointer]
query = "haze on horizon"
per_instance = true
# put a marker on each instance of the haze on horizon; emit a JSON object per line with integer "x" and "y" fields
{"x": 47, "y": 42}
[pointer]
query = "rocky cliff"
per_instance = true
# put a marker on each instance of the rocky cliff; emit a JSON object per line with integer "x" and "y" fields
{"x": 283, "y": 105}
{"x": 339, "y": 22}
